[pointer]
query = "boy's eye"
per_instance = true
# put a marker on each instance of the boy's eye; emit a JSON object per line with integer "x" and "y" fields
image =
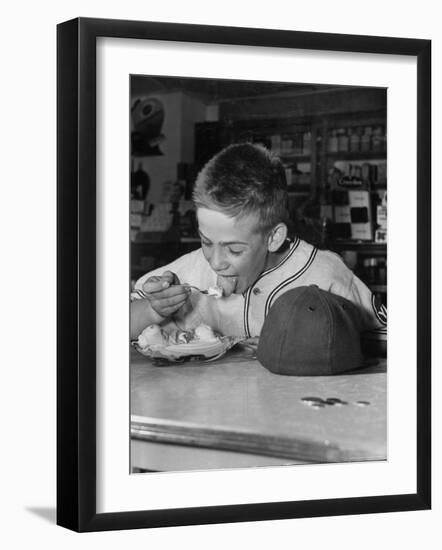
{"x": 235, "y": 252}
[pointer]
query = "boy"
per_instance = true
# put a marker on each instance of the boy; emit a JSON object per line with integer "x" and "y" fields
{"x": 242, "y": 211}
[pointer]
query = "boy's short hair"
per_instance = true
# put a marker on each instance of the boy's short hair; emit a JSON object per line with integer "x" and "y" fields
{"x": 245, "y": 179}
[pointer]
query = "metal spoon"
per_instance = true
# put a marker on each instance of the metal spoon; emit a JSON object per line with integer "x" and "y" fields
{"x": 208, "y": 292}
{"x": 198, "y": 289}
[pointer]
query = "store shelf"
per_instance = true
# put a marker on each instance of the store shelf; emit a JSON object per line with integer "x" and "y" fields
{"x": 378, "y": 288}
{"x": 190, "y": 240}
{"x": 295, "y": 158}
{"x": 297, "y": 189}
{"x": 360, "y": 246}
{"x": 354, "y": 155}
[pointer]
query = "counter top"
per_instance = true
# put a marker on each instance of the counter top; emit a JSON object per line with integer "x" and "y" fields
{"x": 235, "y": 405}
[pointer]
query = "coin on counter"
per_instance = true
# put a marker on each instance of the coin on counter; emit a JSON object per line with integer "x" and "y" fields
{"x": 335, "y": 401}
{"x": 317, "y": 405}
{"x": 310, "y": 400}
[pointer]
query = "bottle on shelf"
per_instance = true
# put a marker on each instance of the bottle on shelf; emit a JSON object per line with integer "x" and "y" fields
{"x": 286, "y": 146}
{"x": 325, "y": 214}
{"x": 288, "y": 169}
{"x": 366, "y": 139}
{"x": 343, "y": 141}
{"x": 378, "y": 140}
{"x": 276, "y": 143}
{"x": 332, "y": 145}
{"x": 307, "y": 143}
{"x": 298, "y": 144}
{"x": 366, "y": 173}
{"x": 355, "y": 140}
{"x": 370, "y": 266}
{"x": 382, "y": 272}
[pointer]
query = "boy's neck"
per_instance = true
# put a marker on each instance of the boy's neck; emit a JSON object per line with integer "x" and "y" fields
{"x": 274, "y": 258}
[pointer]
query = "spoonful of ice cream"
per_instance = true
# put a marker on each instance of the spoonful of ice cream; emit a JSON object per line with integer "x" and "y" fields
{"x": 215, "y": 291}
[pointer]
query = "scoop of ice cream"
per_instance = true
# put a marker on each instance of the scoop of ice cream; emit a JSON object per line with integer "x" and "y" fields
{"x": 227, "y": 284}
{"x": 151, "y": 336}
{"x": 204, "y": 332}
{"x": 215, "y": 291}
{"x": 183, "y": 337}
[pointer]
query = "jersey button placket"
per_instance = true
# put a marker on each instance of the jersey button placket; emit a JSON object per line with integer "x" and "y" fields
{"x": 254, "y": 306}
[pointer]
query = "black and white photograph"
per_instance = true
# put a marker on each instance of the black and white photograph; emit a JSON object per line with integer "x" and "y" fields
{"x": 258, "y": 273}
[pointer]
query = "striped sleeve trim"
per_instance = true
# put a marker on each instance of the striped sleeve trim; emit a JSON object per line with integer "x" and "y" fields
{"x": 380, "y": 330}
{"x": 381, "y": 312}
{"x": 137, "y": 294}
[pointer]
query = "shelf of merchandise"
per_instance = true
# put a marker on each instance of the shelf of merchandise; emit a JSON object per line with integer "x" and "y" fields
{"x": 355, "y": 155}
{"x": 318, "y": 157}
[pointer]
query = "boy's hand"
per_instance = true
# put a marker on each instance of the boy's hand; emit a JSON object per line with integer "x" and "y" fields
{"x": 165, "y": 293}
{"x": 251, "y": 343}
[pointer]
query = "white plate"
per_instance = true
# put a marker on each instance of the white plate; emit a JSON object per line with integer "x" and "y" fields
{"x": 208, "y": 349}
{"x": 205, "y": 348}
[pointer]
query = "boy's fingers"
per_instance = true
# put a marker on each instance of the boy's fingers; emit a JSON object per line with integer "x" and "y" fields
{"x": 251, "y": 342}
{"x": 254, "y": 340}
{"x": 155, "y": 284}
{"x": 173, "y": 291}
{"x": 171, "y": 278}
{"x": 171, "y": 301}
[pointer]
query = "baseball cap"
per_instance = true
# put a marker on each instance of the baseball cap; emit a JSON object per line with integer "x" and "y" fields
{"x": 311, "y": 332}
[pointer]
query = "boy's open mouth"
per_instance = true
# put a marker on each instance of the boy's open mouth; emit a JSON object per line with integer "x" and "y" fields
{"x": 227, "y": 283}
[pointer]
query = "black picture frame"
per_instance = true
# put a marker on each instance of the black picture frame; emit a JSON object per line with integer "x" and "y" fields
{"x": 76, "y": 273}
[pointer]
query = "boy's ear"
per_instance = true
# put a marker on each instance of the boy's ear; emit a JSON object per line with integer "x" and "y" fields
{"x": 277, "y": 237}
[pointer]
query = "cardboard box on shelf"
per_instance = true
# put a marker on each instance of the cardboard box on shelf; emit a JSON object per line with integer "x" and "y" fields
{"x": 342, "y": 214}
{"x": 356, "y": 214}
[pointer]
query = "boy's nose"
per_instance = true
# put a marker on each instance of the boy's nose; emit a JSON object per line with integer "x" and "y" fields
{"x": 218, "y": 261}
